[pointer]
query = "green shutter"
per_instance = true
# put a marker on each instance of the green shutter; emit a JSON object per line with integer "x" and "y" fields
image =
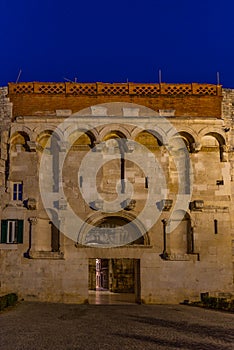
{"x": 20, "y": 231}
{"x": 4, "y": 231}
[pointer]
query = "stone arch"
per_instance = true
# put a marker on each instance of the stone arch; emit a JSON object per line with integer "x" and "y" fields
{"x": 73, "y": 128}
{"x": 98, "y": 219}
{"x": 148, "y": 139}
{"x": 115, "y": 142}
{"x": 213, "y": 141}
{"x": 46, "y": 137}
{"x": 114, "y": 134}
{"x": 218, "y": 133}
{"x": 118, "y": 132}
{"x": 19, "y": 141}
{"x": 188, "y": 138}
{"x": 220, "y": 139}
{"x": 51, "y": 128}
{"x": 22, "y": 128}
{"x": 155, "y": 131}
{"x": 81, "y": 138}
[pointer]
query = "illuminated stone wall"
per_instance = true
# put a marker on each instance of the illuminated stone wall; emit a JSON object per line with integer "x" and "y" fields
{"x": 198, "y": 250}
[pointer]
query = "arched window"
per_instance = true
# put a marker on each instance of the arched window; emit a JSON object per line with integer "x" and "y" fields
{"x": 214, "y": 143}
{"x": 79, "y": 140}
{"x": 148, "y": 140}
{"x": 19, "y": 141}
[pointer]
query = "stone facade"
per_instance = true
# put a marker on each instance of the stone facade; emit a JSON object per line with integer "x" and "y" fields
{"x": 158, "y": 212}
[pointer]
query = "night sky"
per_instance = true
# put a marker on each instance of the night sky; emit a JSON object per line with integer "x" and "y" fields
{"x": 116, "y": 41}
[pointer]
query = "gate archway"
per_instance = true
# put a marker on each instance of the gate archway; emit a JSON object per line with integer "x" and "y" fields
{"x": 113, "y": 230}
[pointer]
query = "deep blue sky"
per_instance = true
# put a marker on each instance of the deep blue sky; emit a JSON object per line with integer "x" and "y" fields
{"x": 113, "y": 41}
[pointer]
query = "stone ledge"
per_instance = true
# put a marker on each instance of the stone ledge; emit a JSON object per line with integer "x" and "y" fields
{"x": 183, "y": 257}
{"x": 9, "y": 246}
{"x": 47, "y": 255}
{"x": 215, "y": 209}
{"x": 136, "y": 246}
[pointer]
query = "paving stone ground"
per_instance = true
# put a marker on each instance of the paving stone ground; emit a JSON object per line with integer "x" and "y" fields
{"x": 39, "y": 326}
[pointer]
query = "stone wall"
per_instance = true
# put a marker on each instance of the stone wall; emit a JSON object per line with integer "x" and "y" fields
{"x": 36, "y": 272}
{"x": 228, "y": 116}
{"x": 5, "y": 120}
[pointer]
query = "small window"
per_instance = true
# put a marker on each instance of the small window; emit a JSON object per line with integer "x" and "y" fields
{"x": 17, "y": 191}
{"x": 146, "y": 182}
{"x": 12, "y": 231}
{"x": 216, "y": 226}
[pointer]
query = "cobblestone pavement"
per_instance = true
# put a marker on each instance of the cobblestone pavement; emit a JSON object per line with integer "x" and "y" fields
{"x": 38, "y": 326}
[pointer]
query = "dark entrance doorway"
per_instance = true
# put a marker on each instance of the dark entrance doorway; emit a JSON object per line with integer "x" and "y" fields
{"x": 114, "y": 281}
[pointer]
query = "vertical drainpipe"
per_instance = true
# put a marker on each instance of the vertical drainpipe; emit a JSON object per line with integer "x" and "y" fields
{"x": 122, "y": 160}
{"x": 164, "y": 254}
{"x": 122, "y": 149}
{"x": 31, "y": 222}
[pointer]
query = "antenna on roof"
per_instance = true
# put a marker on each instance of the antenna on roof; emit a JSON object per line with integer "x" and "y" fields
{"x": 20, "y": 71}
{"x": 218, "y": 79}
{"x": 160, "y": 76}
{"x": 127, "y": 80}
{"x": 71, "y": 81}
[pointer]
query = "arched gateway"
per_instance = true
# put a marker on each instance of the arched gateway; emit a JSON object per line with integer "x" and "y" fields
{"x": 113, "y": 278}
{"x": 112, "y": 231}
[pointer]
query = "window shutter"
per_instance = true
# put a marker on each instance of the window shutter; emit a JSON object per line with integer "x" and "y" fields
{"x": 20, "y": 231}
{"x": 15, "y": 192}
{"x": 20, "y": 196}
{"x": 4, "y": 231}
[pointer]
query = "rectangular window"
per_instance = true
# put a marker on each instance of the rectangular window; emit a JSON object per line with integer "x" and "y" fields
{"x": 12, "y": 231}
{"x": 215, "y": 226}
{"x": 17, "y": 191}
{"x": 146, "y": 182}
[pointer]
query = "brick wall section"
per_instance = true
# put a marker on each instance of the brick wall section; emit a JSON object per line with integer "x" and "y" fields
{"x": 193, "y": 100}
